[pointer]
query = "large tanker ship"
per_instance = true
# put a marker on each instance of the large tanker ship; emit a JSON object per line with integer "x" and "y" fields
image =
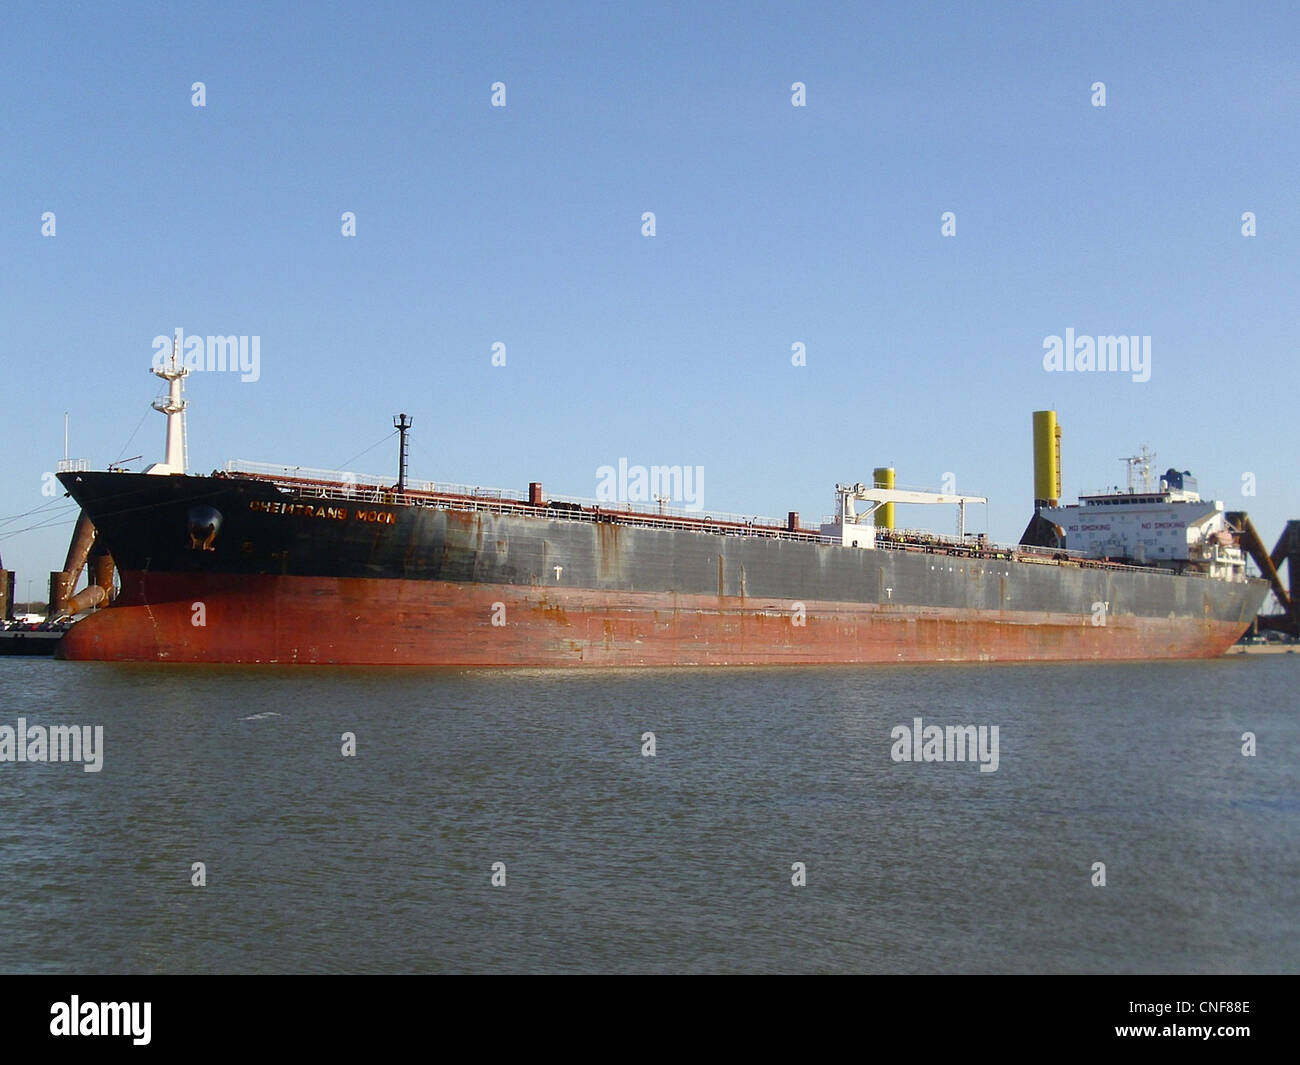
{"x": 284, "y": 565}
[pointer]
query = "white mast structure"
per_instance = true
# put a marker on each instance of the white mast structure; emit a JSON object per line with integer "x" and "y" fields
{"x": 172, "y": 405}
{"x": 853, "y": 529}
{"x": 1140, "y": 464}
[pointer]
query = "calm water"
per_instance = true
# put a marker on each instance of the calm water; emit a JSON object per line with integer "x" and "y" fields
{"x": 681, "y": 862}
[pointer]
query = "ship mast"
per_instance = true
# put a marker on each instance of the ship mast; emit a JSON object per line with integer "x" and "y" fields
{"x": 402, "y": 424}
{"x": 1139, "y": 464}
{"x": 172, "y": 405}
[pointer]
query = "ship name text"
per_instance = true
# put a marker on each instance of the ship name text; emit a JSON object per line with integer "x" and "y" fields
{"x": 310, "y": 510}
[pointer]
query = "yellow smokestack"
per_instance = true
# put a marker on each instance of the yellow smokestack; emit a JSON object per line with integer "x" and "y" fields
{"x": 1047, "y": 458}
{"x": 884, "y": 478}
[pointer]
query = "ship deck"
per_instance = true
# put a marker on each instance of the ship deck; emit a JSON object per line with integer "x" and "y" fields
{"x": 345, "y": 487}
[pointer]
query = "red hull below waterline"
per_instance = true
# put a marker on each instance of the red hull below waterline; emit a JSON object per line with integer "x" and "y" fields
{"x": 357, "y": 621}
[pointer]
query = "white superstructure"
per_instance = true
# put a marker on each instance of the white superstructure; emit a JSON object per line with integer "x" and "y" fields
{"x": 1168, "y": 525}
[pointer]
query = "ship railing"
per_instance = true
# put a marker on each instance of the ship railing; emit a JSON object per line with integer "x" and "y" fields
{"x": 931, "y": 543}
{"x": 330, "y": 483}
{"x": 900, "y": 539}
{"x": 690, "y": 515}
{"x": 347, "y": 483}
{"x": 601, "y": 513}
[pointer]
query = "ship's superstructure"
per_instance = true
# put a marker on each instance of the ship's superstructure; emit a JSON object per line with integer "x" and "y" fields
{"x": 1166, "y": 525}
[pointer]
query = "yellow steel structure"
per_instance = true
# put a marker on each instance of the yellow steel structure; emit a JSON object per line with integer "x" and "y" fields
{"x": 884, "y": 478}
{"x": 1047, "y": 457}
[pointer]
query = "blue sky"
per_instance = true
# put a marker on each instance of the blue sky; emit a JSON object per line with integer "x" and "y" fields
{"x": 774, "y": 225}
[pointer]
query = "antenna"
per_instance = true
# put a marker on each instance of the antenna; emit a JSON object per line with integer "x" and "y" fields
{"x": 402, "y": 424}
{"x": 1140, "y": 462}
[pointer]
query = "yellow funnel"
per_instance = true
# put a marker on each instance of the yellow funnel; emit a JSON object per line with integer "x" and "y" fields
{"x": 1047, "y": 458}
